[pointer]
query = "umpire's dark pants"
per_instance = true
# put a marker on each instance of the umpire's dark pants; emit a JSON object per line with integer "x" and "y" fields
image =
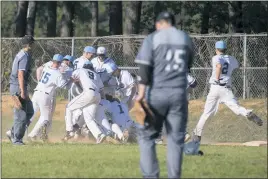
{"x": 21, "y": 116}
{"x": 171, "y": 108}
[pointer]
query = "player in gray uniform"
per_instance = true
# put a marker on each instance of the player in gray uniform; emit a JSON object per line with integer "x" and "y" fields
{"x": 164, "y": 60}
{"x": 19, "y": 79}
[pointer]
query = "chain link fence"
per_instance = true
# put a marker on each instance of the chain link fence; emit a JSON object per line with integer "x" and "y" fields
{"x": 249, "y": 81}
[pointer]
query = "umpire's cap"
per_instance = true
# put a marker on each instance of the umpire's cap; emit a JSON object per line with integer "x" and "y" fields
{"x": 220, "y": 45}
{"x": 27, "y": 39}
{"x": 57, "y": 57}
{"x": 167, "y": 16}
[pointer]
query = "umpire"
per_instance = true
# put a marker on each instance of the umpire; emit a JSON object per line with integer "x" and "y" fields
{"x": 19, "y": 80}
{"x": 164, "y": 59}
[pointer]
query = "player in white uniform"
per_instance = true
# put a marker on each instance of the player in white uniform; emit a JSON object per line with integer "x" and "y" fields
{"x": 126, "y": 88}
{"x": 87, "y": 55}
{"x": 220, "y": 90}
{"x": 87, "y": 101}
{"x": 50, "y": 80}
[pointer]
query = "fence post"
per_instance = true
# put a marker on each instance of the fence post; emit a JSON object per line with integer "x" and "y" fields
{"x": 244, "y": 65}
{"x": 72, "y": 46}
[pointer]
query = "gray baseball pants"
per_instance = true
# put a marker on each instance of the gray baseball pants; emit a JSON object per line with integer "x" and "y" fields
{"x": 21, "y": 116}
{"x": 170, "y": 106}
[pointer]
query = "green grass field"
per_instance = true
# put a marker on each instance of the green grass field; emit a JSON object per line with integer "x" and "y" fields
{"x": 85, "y": 160}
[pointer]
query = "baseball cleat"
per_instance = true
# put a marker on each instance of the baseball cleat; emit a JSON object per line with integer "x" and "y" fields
{"x": 159, "y": 141}
{"x": 44, "y": 136}
{"x": 125, "y": 135}
{"x": 78, "y": 134}
{"x": 187, "y": 137}
{"x": 254, "y": 118}
{"x": 100, "y": 138}
{"x": 68, "y": 135}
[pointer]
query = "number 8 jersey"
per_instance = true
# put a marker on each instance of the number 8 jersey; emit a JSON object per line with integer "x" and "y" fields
{"x": 50, "y": 80}
{"x": 228, "y": 64}
{"x": 88, "y": 79}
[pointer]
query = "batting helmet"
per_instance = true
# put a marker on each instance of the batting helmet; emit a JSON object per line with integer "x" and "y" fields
{"x": 167, "y": 16}
{"x": 192, "y": 148}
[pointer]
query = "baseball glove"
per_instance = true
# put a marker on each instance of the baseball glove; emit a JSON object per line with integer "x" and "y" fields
{"x": 143, "y": 113}
{"x": 16, "y": 102}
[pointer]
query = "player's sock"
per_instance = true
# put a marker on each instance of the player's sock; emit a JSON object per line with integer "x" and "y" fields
{"x": 116, "y": 129}
{"x": 68, "y": 120}
{"x": 105, "y": 123}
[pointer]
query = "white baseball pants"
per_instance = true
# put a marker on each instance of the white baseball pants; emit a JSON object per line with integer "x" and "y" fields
{"x": 87, "y": 101}
{"x": 46, "y": 103}
{"x": 219, "y": 94}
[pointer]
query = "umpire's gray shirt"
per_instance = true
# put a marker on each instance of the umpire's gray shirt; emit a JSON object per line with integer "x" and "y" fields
{"x": 21, "y": 62}
{"x": 168, "y": 51}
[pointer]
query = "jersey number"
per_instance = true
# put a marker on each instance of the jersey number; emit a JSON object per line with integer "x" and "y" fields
{"x": 224, "y": 70}
{"x": 121, "y": 110}
{"x": 75, "y": 65}
{"x": 177, "y": 57}
{"x": 45, "y": 77}
{"x": 91, "y": 75}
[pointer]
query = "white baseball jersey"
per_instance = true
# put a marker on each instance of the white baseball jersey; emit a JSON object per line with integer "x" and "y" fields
{"x": 228, "y": 63}
{"x": 88, "y": 79}
{"x": 124, "y": 83}
{"x": 101, "y": 67}
{"x": 50, "y": 80}
{"x": 79, "y": 62}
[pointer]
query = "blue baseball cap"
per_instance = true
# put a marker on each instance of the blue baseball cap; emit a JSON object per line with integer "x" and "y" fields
{"x": 90, "y": 49}
{"x": 58, "y": 57}
{"x": 69, "y": 58}
{"x": 112, "y": 67}
{"x": 220, "y": 45}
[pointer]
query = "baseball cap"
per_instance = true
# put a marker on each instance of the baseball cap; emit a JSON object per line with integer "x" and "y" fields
{"x": 101, "y": 51}
{"x": 87, "y": 64}
{"x": 166, "y": 16}
{"x": 90, "y": 49}
{"x": 57, "y": 57}
{"x": 220, "y": 45}
{"x": 27, "y": 39}
{"x": 68, "y": 57}
{"x": 112, "y": 68}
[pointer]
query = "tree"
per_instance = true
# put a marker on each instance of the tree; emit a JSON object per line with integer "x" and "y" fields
{"x": 67, "y": 27}
{"x": 20, "y": 20}
{"x": 51, "y": 18}
{"x": 115, "y": 21}
{"x": 235, "y": 17}
{"x": 94, "y": 18}
{"x": 132, "y": 17}
{"x": 205, "y": 18}
{"x": 31, "y": 18}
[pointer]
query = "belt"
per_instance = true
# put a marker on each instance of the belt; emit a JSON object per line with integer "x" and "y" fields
{"x": 223, "y": 85}
{"x": 42, "y": 92}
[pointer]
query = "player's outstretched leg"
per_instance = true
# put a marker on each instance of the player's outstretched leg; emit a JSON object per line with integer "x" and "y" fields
{"x": 230, "y": 101}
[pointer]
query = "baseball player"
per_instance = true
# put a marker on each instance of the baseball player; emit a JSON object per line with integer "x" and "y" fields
{"x": 164, "y": 59}
{"x": 87, "y": 55}
{"x": 223, "y": 66}
{"x": 87, "y": 101}
{"x": 126, "y": 89}
{"x": 45, "y": 90}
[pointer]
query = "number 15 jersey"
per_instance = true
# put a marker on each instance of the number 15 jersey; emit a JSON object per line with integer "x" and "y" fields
{"x": 168, "y": 52}
{"x": 50, "y": 80}
{"x": 228, "y": 64}
{"x": 88, "y": 79}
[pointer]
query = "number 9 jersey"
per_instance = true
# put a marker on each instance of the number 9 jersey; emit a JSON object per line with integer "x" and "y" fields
{"x": 88, "y": 79}
{"x": 228, "y": 64}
